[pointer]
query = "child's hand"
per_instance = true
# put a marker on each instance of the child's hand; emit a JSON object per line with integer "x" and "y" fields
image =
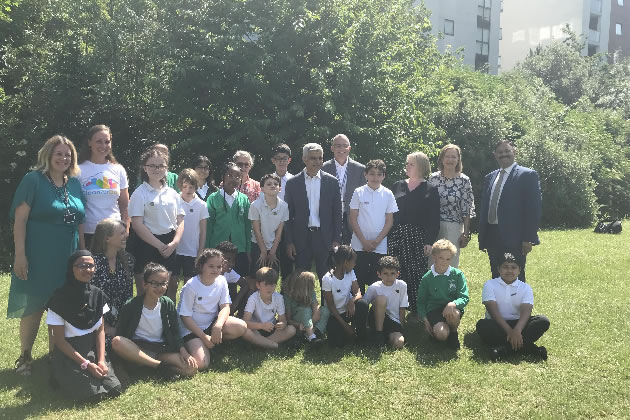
{"x": 427, "y": 327}
{"x": 272, "y": 258}
{"x": 207, "y": 341}
{"x": 350, "y": 307}
{"x": 450, "y": 313}
{"x": 267, "y": 326}
{"x": 300, "y": 327}
{"x": 373, "y": 244}
{"x": 187, "y": 359}
{"x": 463, "y": 241}
{"x": 217, "y": 335}
{"x": 104, "y": 368}
{"x": 348, "y": 329}
{"x": 170, "y": 248}
{"x": 95, "y": 370}
{"x": 515, "y": 339}
{"x": 262, "y": 259}
{"x": 280, "y": 325}
{"x": 316, "y": 315}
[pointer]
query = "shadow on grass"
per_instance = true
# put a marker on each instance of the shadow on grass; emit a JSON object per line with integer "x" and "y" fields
{"x": 247, "y": 358}
{"x": 481, "y": 352}
{"x": 325, "y": 354}
{"x": 34, "y": 395}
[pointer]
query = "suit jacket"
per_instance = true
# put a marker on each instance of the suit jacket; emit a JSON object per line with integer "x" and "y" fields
{"x": 296, "y": 228}
{"x": 519, "y": 209}
{"x": 355, "y": 178}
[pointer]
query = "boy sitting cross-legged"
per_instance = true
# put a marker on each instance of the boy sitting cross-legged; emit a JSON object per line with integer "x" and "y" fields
{"x": 509, "y": 325}
{"x": 442, "y": 295}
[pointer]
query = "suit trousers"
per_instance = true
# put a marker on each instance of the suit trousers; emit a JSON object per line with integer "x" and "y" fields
{"x": 497, "y": 249}
{"x": 313, "y": 251}
{"x": 493, "y": 335}
{"x": 346, "y": 232}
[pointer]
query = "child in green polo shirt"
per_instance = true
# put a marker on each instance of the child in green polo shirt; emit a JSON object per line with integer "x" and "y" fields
{"x": 442, "y": 295}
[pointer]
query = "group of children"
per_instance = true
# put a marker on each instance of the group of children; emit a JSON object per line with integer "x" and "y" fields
{"x": 210, "y": 242}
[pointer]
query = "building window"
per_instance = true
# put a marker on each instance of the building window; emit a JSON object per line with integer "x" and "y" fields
{"x": 449, "y": 27}
{"x": 620, "y": 2}
{"x": 618, "y": 30}
{"x": 593, "y": 23}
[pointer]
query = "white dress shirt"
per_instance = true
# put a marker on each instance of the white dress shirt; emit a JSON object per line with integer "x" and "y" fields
{"x": 313, "y": 185}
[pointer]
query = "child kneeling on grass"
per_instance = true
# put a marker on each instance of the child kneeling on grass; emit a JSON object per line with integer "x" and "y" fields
{"x": 264, "y": 312}
{"x": 204, "y": 310}
{"x": 509, "y": 325}
{"x": 148, "y": 330}
{"x": 389, "y": 303}
{"x": 442, "y": 295}
{"x": 302, "y": 308}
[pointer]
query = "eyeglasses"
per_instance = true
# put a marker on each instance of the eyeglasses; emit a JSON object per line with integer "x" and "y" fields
{"x": 157, "y": 285}
{"x": 85, "y": 266}
{"x": 243, "y": 164}
{"x": 203, "y": 168}
{"x": 281, "y": 159}
{"x": 156, "y": 167}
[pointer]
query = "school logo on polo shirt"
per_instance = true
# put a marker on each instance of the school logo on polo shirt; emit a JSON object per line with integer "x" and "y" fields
{"x": 397, "y": 291}
{"x": 451, "y": 286}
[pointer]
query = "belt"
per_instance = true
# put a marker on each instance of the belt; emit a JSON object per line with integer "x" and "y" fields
{"x": 313, "y": 228}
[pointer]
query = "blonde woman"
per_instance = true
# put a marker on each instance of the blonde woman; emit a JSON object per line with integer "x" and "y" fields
{"x": 47, "y": 214}
{"x": 457, "y": 204}
{"x": 416, "y": 224}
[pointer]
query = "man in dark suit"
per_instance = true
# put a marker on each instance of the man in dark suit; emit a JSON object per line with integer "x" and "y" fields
{"x": 349, "y": 174}
{"x": 511, "y": 206}
{"x": 314, "y": 225}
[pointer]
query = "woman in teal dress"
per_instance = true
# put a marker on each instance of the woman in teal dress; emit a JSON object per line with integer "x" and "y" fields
{"x": 47, "y": 213}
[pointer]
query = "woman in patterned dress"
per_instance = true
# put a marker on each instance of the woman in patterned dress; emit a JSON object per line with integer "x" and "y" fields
{"x": 457, "y": 205}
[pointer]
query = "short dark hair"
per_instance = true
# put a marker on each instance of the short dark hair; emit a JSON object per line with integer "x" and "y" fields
{"x": 267, "y": 275}
{"x": 227, "y": 247}
{"x": 205, "y": 255}
{"x": 504, "y": 141}
{"x": 280, "y": 148}
{"x": 151, "y": 269}
{"x": 269, "y": 176}
{"x": 388, "y": 262}
{"x": 377, "y": 164}
{"x": 508, "y": 258}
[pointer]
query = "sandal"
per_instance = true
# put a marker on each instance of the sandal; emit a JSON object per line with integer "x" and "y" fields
{"x": 23, "y": 364}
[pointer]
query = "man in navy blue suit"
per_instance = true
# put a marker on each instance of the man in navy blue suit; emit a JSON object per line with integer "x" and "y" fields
{"x": 511, "y": 207}
{"x": 314, "y": 225}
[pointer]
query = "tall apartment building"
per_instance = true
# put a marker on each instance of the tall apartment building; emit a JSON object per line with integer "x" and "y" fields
{"x": 527, "y": 24}
{"x": 472, "y": 25}
{"x": 619, "y": 33}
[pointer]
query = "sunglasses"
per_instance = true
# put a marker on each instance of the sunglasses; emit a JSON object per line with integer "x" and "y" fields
{"x": 85, "y": 266}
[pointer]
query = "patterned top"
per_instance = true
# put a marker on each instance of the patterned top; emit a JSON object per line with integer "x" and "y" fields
{"x": 251, "y": 189}
{"x": 117, "y": 287}
{"x": 456, "y": 197}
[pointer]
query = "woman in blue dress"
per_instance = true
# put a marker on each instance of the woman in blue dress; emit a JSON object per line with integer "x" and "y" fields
{"x": 47, "y": 213}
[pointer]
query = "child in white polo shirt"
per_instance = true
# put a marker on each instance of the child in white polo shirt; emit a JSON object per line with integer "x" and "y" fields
{"x": 268, "y": 214}
{"x": 265, "y": 313}
{"x": 509, "y": 325}
{"x": 281, "y": 157}
{"x": 195, "y": 220}
{"x": 372, "y": 211}
{"x": 157, "y": 217}
{"x": 389, "y": 303}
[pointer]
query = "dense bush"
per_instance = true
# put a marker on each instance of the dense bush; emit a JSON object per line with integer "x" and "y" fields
{"x": 211, "y": 76}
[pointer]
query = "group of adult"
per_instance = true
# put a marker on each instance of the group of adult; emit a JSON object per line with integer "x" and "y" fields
{"x": 57, "y": 207}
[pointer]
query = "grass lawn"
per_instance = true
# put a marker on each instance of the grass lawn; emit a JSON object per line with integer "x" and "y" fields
{"x": 578, "y": 279}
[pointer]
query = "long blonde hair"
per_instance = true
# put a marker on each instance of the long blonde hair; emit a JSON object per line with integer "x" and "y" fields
{"x": 104, "y": 230}
{"x": 301, "y": 286}
{"x": 44, "y": 156}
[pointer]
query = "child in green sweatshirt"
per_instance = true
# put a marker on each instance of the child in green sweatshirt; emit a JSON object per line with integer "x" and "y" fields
{"x": 442, "y": 295}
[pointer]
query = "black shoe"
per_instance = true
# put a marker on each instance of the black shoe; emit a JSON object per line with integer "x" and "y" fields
{"x": 453, "y": 341}
{"x": 23, "y": 363}
{"x": 497, "y": 353}
{"x": 165, "y": 372}
{"x": 542, "y": 352}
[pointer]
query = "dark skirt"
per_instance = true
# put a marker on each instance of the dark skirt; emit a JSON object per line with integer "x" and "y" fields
{"x": 78, "y": 384}
{"x": 406, "y": 242}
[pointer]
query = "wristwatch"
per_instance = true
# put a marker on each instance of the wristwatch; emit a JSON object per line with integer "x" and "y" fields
{"x": 85, "y": 364}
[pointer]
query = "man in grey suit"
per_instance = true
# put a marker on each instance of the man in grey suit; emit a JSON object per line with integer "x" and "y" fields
{"x": 349, "y": 174}
{"x": 314, "y": 225}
